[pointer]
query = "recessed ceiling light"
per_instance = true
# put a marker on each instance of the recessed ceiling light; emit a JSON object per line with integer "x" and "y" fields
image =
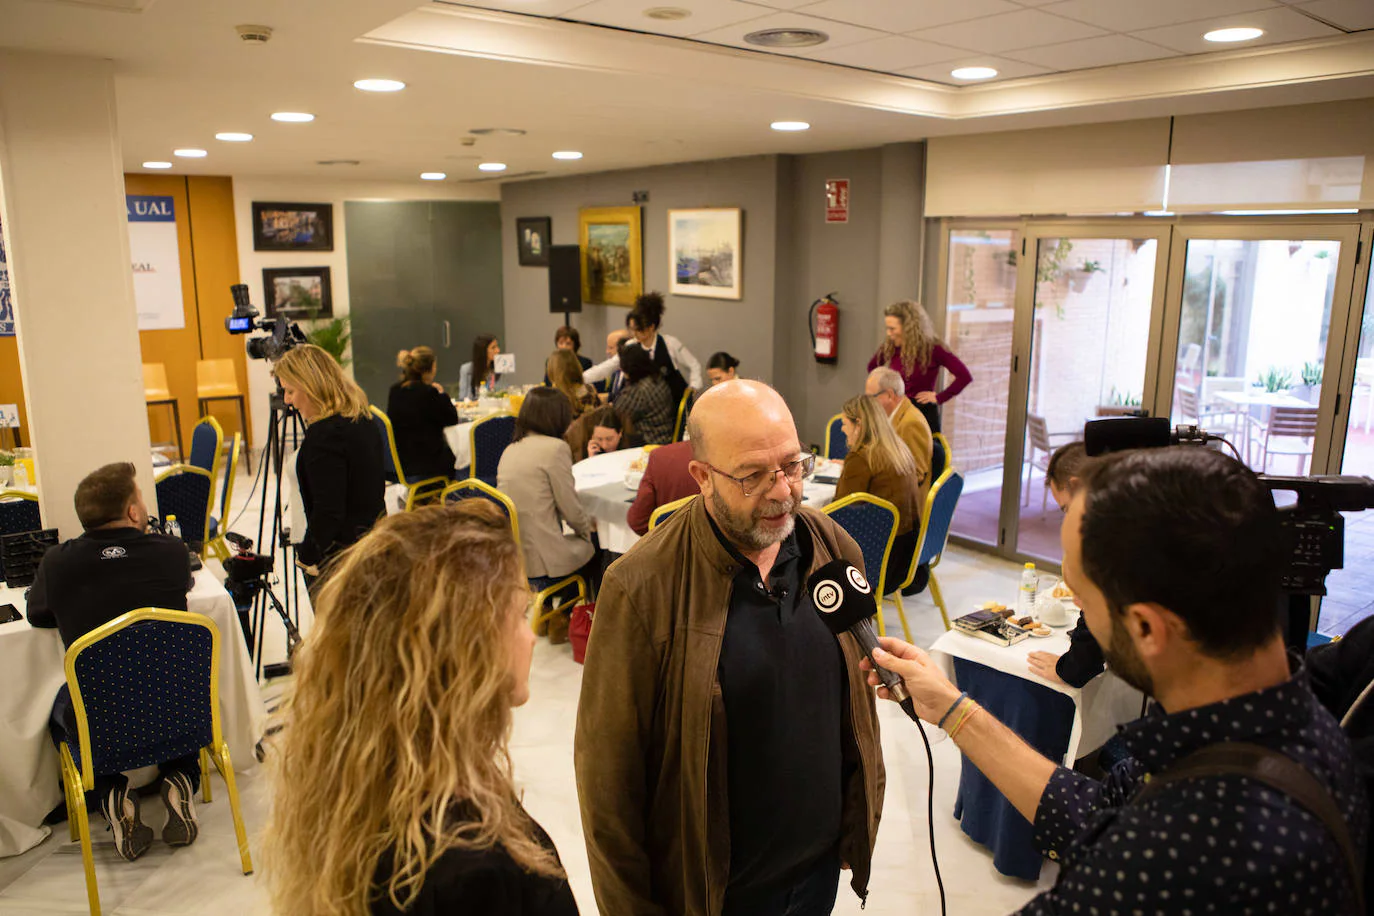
{"x": 292, "y": 117}
{"x": 973, "y": 73}
{"x": 667, "y": 13}
{"x": 1237, "y": 34}
{"x": 492, "y": 166}
{"x": 376, "y": 85}
{"x": 433, "y": 176}
{"x": 567, "y": 154}
{"x": 230, "y": 136}
{"x": 790, "y": 125}
{"x": 157, "y": 165}
{"x": 190, "y": 153}
{"x": 787, "y": 38}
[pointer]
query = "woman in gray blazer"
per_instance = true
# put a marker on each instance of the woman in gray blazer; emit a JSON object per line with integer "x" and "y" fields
{"x": 536, "y": 473}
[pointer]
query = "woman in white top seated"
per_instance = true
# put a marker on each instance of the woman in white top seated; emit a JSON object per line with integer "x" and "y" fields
{"x": 644, "y": 321}
{"x": 536, "y": 473}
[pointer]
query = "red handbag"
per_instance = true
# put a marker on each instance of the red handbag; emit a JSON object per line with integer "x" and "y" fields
{"x": 579, "y": 629}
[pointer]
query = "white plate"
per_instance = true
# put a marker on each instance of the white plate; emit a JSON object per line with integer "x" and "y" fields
{"x": 632, "y": 479}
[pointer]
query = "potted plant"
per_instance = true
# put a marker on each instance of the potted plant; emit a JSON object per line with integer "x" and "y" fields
{"x": 332, "y": 336}
{"x": 1311, "y": 388}
{"x": 1079, "y": 276}
{"x": 6, "y": 468}
{"x": 1274, "y": 379}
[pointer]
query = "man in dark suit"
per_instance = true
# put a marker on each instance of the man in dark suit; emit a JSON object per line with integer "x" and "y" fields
{"x": 666, "y": 479}
{"x": 115, "y": 567}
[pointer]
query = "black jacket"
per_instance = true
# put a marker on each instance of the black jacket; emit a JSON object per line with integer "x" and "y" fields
{"x": 486, "y": 883}
{"x": 419, "y": 413}
{"x": 93, "y": 579}
{"x": 340, "y": 470}
{"x": 1083, "y": 661}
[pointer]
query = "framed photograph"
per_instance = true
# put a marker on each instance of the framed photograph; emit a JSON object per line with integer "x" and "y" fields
{"x": 612, "y": 255}
{"x": 704, "y": 253}
{"x": 299, "y": 293}
{"x": 293, "y": 227}
{"x": 534, "y": 235}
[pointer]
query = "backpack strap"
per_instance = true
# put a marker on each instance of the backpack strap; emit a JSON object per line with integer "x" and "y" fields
{"x": 1276, "y": 770}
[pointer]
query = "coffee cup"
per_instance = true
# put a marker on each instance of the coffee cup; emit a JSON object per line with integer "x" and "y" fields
{"x": 1052, "y": 611}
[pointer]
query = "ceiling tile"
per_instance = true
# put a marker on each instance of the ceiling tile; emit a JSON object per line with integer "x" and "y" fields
{"x": 1006, "y": 70}
{"x": 706, "y": 15}
{"x": 1280, "y": 25}
{"x": 1348, "y": 14}
{"x": 1021, "y": 29}
{"x": 907, "y": 15}
{"x": 1133, "y": 15}
{"x": 1092, "y": 52}
{"x": 889, "y": 54}
{"x": 532, "y": 7}
{"x": 840, "y": 33}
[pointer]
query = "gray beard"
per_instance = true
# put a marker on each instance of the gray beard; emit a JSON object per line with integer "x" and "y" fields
{"x": 746, "y": 531}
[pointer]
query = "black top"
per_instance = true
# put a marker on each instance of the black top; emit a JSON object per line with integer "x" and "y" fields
{"x": 1223, "y": 844}
{"x": 486, "y": 883}
{"x": 419, "y": 413}
{"x": 91, "y": 580}
{"x": 783, "y": 682}
{"x": 340, "y": 470}
{"x": 1084, "y": 660}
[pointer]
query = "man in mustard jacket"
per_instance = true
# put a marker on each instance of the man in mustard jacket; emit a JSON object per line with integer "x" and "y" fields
{"x": 727, "y": 748}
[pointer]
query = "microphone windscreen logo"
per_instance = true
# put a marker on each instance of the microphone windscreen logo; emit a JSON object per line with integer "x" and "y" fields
{"x": 857, "y": 580}
{"x": 827, "y": 596}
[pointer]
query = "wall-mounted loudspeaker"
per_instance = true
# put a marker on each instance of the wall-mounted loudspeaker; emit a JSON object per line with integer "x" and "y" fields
{"x": 565, "y": 279}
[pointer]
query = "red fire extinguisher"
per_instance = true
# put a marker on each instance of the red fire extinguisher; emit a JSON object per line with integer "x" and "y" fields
{"x": 824, "y": 323}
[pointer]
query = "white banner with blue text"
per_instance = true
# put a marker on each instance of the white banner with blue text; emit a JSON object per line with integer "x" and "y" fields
{"x": 156, "y": 262}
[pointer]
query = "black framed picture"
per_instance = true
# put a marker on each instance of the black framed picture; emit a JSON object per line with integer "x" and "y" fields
{"x": 299, "y": 293}
{"x": 534, "y": 235}
{"x": 293, "y": 227}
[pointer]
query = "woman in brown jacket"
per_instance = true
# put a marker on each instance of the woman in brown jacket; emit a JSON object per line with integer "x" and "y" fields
{"x": 880, "y": 463}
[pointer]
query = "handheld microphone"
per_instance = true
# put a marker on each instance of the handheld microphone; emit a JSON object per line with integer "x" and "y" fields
{"x": 846, "y": 604}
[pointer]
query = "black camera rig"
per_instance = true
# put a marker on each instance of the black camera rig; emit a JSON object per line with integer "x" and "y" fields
{"x": 283, "y": 334}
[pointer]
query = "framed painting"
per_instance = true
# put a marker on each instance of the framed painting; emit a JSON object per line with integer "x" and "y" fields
{"x": 298, "y": 293}
{"x": 612, "y": 255}
{"x": 293, "y": 227}
{"x": 704, "y": 253}
{"x": 533, "y": 236}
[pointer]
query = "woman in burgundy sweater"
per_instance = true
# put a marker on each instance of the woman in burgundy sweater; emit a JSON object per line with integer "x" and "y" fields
{"x": 914, "y": 352}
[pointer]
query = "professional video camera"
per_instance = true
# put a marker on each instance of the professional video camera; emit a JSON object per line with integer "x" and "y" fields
{"x": 283, "y": 333}
{"x": 1312, "y": 527}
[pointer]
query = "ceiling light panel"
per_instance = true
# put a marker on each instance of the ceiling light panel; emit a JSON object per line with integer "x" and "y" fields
{"x": 1280, "y": 25}
{"x": 1022, "y": 29}
{"x": 492, "y": 166}
{"x": 190, "y": 152}
{"x": 155, "y": 164}
{"x": 293, "y": 117}
{"x": 379, "y": 85}
{"x": 1006, "y": 69}
{"x": 907, "y": 15}
{"x": 567, "y": 155}
{"x": 233, "y": 136}
{"x": 1232, "y": 36}
{"x": 840, "y": 33}
{"x": 706, "y": 15}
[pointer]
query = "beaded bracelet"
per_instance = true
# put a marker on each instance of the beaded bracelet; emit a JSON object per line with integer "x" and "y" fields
{"x": 952, "y": 706}
{"x": 964, "y": 720}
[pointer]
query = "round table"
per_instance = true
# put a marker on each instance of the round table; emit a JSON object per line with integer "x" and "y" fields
{"x": 600, "y": 482}
{"x": 30, "y": 780}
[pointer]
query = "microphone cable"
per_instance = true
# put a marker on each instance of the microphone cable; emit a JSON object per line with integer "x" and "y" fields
{"x": 909, "y": 707}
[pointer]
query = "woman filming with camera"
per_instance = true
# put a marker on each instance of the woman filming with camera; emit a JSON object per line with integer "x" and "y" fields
{"x": 395, "y": 792}
{"x": 339, "y": 463}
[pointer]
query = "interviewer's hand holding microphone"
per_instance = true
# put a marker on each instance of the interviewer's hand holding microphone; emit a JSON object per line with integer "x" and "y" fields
{"x": 930, "y": 691}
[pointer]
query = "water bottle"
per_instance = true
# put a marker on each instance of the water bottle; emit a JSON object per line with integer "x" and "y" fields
{"x": 172, "y": 527}
{"x": 481, "y": 391}
{"x": 1025, "y": 598}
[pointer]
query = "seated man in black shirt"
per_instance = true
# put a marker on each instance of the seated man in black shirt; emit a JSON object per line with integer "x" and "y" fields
{"x": 115, "y": 567}
{"x": 1175, "y": 555}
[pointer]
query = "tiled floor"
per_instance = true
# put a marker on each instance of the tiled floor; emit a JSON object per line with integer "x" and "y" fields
{"x": 205, "y": 878}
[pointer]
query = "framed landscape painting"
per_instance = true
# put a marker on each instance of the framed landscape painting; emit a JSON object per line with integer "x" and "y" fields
{"x": 293, "y": 227}
{"x": 612, "y": 255}
{"x": 704, "y": 253}
{"x": 298, "y": 293}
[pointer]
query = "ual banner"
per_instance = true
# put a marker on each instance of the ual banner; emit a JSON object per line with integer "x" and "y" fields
{"x": 6, "y": 303}
{"x": 156, "y": 262}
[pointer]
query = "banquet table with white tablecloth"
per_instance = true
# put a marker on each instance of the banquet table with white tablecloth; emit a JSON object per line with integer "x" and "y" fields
{"x": 32, "y": 658}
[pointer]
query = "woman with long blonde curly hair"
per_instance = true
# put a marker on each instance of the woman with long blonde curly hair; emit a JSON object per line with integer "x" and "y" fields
{"x": 911, "y": 348}
{"x": 394, "y": 791}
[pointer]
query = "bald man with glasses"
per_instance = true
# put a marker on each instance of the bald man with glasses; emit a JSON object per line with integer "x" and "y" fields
{"x": 727, "y": 750}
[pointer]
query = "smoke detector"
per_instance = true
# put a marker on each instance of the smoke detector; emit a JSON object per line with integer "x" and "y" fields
{"x": 254, "y": 34}
{"x": 497, "y": 132}
{"x": 468, "y": 141}
{"x": 668, "y": 13}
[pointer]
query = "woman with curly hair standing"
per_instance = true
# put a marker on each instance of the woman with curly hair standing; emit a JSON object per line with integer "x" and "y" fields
{"x": 912, "y": 349}
{"x": 394, "y": 792}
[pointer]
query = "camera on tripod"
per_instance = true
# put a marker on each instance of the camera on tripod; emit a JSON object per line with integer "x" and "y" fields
{"x": 282, "y": 333}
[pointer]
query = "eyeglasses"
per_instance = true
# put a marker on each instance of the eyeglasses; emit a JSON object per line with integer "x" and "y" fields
{"x": 794, "y": 471}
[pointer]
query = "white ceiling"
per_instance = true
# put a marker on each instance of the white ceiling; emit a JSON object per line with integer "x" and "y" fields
{"x": 628, "y": 99}
{"x": 929, "y": 38}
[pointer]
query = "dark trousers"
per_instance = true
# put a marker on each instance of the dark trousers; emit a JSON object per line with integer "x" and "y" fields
{"x": 899, "y": 560}
{"x": 812, "y": 894}
{"x": 931, "y": 412}
{"x": 63, "y": 724}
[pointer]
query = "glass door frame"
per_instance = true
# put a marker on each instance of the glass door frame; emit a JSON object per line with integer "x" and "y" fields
{"x": 1359, "y": 292}
{"x": 1334, "y": 405}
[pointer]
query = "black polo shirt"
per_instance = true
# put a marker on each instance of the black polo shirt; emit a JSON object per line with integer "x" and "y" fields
{"x": 782, "y": 678}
